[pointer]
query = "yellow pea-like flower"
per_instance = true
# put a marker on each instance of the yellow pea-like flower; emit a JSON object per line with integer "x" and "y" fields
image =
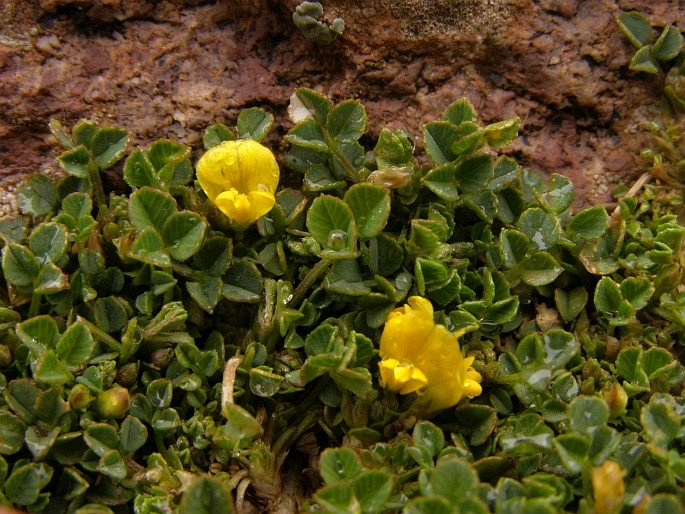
{"x": 419, "y": 355}
{"x": 240, "y": 178}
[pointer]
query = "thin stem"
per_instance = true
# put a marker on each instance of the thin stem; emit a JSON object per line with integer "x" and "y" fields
{"x": 98, "y": 188}
{"x": 308, "y": 281}
{"x": 100, "y": 334}
{"x": 34, "y": 308}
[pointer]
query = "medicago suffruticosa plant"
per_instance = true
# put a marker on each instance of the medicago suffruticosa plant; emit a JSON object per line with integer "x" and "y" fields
{"x": 399, "y": 334}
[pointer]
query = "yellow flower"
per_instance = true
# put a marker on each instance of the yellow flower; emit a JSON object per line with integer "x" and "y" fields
{"x": 607, "y": 484}
{"x": 419, "y": 355}
{"x": 240, "y": 178}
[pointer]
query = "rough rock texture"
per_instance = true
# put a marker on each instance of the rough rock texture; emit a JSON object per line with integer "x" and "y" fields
{"x": 169, "y": 68}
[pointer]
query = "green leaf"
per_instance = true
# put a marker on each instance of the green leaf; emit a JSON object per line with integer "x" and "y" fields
{"x": 254, "y": 123}
{"x": 38, "y": 333}
{"x": 337, "y": 499}
{"x": 315, "y": 103}
{"x": 442, "y": 181}
{"x": 346, "y": 121}
{"x": 13, "y": 230}
{"x": 608, "y": 296}
{"x": 183, "y": 234}
{"x": 393, "y": 149}
{"x": 345, "y": 277}
{"x": 331, "y": 222}
{"x": 214, "y": 255}
{"x": 108, "y": 146}
{"x": 77, "y": 204}
{"x": 669, "y": 44}
{"x": 654, "y": 360}
{"x": 25, "y": 483}
{"x": 637, "y": 291}
{"x": 459, "y": 112}
{"x": 37, "y": 196}
{"x": 132, "y": 435}
{"x": 542, "y": 228}
{"x": 160, "y": 393}
{"x": 51, "y": 279}
{"x": 83, "y": 133}
{"x": 263, "y": 382}
{"x": 570, "y": 303}
{"x": 109, "y": 313}
{"x": 242, "y": 283}
{"x": 636, "y": 28}
{"x": 206, "y": 292}
{"x": 217, "y": 134}
{"x": 206, "y": 496}
{"x": 139, "y": 172}
{"x": 586, "y": 413}
{"x": 149, "y": 247}
{"x": 48, "y": 241}
{"x": 76, "y": 162}
{"x": 453, "y": 479}
{"x": 427, "y": 505}
{"x": 11, "y": 433}
{"x": 438, "y": 138}
{"x": 513, "y": 246}
{"x": 540, "y": 269}
{"x": 590, "y": 223}
{"x": 502, "y": 133}
{"x": 644, "y": 61}
{"x": 573, "y": 449}
{"x": 372, "y": 489}
{"x": 150, "y": 208}
{"x": 75, "y": 346}
{"x": 473, "y": 173}
{"x": 51, "y": 370}
{"x": 339, "y": 464}
{"x": 429, "y": 436}
{"x": 112, "y": 465}
{"x": 60, "y": 134}
{"x": 371, "y": 208}
{"x": 660, "y": 421}
{"x": 101, "y": 438}
{"x": 19, "y": 265}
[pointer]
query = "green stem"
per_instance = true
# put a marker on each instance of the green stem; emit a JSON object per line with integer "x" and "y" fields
{"x": 98, "y": 188}
{"x": 308, "y": 281}
{"x": 34, "y": 308}
{"x": 100, "y": 334}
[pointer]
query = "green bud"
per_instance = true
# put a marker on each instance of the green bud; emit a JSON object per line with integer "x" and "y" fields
{"x": 80, "y": 397}
{"x": 113, "y": 403}
{"x": 111, "y": 231}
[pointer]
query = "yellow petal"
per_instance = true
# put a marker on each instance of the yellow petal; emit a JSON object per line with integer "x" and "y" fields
{"x": 401, "y": 377}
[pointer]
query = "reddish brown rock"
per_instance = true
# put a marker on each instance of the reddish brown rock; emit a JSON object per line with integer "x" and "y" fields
{"x": 170, "y": 68}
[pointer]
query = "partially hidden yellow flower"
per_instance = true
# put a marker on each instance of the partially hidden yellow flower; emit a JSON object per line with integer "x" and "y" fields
{"x": 240, "y": 178}
{"x": 419, "y": 355}
{"x": 608, "y": 487}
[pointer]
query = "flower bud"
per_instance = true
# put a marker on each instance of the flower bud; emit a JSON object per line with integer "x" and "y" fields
{"x": 80, "y": 397}
{"x": 113, "y": 403}
{"x": 616, "y": 399}
{"x": 127, "y": 374}
{"x": 608, "y": 487}
{"x": 162, "y": 357}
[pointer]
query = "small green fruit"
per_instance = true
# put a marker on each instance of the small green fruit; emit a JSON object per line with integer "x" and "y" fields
{"x": 113, "y": 403}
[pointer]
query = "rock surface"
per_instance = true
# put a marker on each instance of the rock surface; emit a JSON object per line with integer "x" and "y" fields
{"x": 169, "y": 68}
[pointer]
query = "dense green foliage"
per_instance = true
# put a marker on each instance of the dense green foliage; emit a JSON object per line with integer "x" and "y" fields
{"x": 153, "y": 359}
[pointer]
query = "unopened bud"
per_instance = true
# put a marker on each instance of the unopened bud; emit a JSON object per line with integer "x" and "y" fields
{"x": 127, "y": 374}
{"x": 616, "y": 399}
{"x": 608, "y": 487}
{"x": 162, "y": 357}
{"x": 80, "y": 397}
{"x": 113, "y": 403}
